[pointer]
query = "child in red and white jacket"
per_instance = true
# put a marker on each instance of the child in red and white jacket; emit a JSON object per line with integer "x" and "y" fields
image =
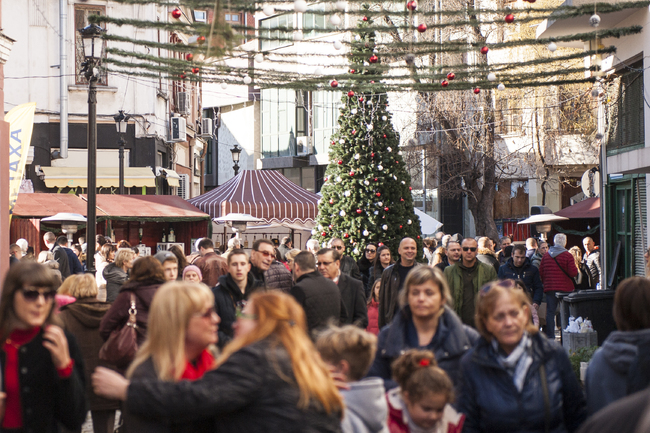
{"x": 421, "y": 403}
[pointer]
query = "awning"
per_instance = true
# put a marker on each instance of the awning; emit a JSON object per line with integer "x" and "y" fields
{"x": 61, "y": 177}
{"x": 588, "y": 208}
{"x": 428, "y": 224}
{"x": 171, "y": 176}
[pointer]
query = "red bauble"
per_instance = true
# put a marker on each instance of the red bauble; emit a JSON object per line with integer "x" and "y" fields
{"x": 346, "y": 236}
{"x": 451, "y": 76}
{"x": 381, "y": 244}
{"x": 376, "y": 180}
{"x": 334, "y": 83}
{"x": 189, "y": 57}
{"x": 176, "y": 13}
{"x": 400, "y": 226}
{"x": 378, "y": 194}
{"x": 340, "y": 162}
{"x": 324, "y": 234}
{"x": 396, "y": 162}
{"x": 484, "y": 50}
{"x": 422, "y": 28}
{"x": 359, "y": 211}
{"x": 330, "y": 226}
{"x": 327, "y": 178}
{"x": 195, "y": 70}
{"x": 418, "y": 237}
{"x": 183, "y": 76}
{"x": 372, "y": 82}
{"x": 412, "y": 5}
{"x": 361, "y": 99}
{"x": 331, "y": 201}
{"x": 350, "y": 94}
{"x": 410, "y": 188}
{"x": 384, "y": 135}
{"x": 477, "y": 91}
{"x": 200, "y": 39}
{"x": 354, "y": 131}
{"x": 444, "y": 83}
{"x": 352, "y": 71}
{"x": 510, "y": 18}
{"x": 386, "y": 209}
{"x": 372, "y": 154}
{"x": 352, "y": 173}
{"x": 373, "y": 59}
{"x": 401, "y": 199}
{"x": 365, "y": 18}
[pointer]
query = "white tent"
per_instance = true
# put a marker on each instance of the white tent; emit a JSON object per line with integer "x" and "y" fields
{"x": 428, "y": 225}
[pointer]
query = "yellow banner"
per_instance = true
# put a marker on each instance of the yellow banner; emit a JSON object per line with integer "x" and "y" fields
{"x": 21, "y": 124}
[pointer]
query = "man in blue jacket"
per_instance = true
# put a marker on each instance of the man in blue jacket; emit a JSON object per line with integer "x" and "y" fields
{"x": 519, "y": 267}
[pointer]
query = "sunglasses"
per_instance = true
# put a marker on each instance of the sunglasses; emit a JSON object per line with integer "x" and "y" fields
{"x": 241, "y": 315}
{"x": 208, "y": 314}
{"x": 32, "y": 294}
{"x": 266, "y": 253}
{"x": 370, "y": 251}
{"x": 472, "y": 249}
{"x": 323, "y": 263}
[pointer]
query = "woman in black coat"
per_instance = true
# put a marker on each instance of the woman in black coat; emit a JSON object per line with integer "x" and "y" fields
{"x": 270, "y": 378}
{"x": 383, "y": 259}
{"x": 365, "y": 263}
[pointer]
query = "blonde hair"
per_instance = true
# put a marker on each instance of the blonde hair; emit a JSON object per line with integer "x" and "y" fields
{"x": 348, "y": 343}
{"x": 577, "y": 256}
{"x": 45, "y": 256}
{"x": 79, "y": 286}
{"x": 421, "y": 275}
{"x": 487, "y": 299}
{"x": 279, "y": 316}
{"x": 171, "y": 309}
{"x": 122, "y": 256}
{"x": 291, "y": 254}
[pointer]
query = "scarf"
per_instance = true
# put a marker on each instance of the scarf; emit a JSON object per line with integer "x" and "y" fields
{"x": 518, "y": 362}
{"x": 195, "y": 370}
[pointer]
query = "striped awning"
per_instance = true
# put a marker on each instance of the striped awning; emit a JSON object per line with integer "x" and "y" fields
{"x": 265, "y": 194}
{"x": 62, "y": 177}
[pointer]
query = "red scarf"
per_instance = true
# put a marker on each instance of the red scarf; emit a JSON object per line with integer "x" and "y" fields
{"x": 13, "y": 409}
{"x": 204, "y": 362}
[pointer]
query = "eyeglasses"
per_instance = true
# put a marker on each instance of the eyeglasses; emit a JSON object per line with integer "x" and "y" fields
{"x": 31, "y": 294}
{"x": 208, "y": 314}
{"x": 241, "y": 315}
{"x": 323, "y": 263}
{"x": 472, "y": 249}
{"x": 266, "y": 253}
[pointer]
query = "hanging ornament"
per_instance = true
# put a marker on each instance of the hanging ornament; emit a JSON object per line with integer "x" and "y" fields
{"x": 484, "y": 50}
{"x": 386, "y": 209}
{"x": 410, "y": 187}
{"x": 400, "y": 226}
{"x": 477, "y": 90}
{"x": 200, "y": 40}
{"x": 350, "y": 94}
{"x": 380, "y": 204}
{"x": 341, "y": 141}
{"x": 366, "y": 233}
{"x": 354, "y": 131}
{"x": 401, "y": 199}
{"x": 404, "y": 183}
{"x": 176, "y": 13}
{"x": 501, "y": 87}
{"x": 409, "y": 58}
{"x": 330, "y": 226}
{"x": 376, "y": 212}
{"x": 338, "y": 178}
{"x": 340, "y": 162}
{"x": 409, "y": 222}
{"x": 422, "y": 28}
{"x": 390, "y": 149}
{"x": 334, "y": 83}
{"x": 300, "y": 5}
{"x": 189, "y": 57}
{"x": 361, "y": 99}
{"x": 247, "y": 80}
{"x": 594, "y": 20}
{"x": 338, "y": 45}
{"x": 342, "y": 213}
{"x": 451, "y": 76}
{"x": 259, "y": 58}
{"x": 551, "y": 47}
{"x": 335, "y": 20}
{"x": 313, "y": 232}
{"x": 375, "y": 180}
{"x": 324, "y": 234}
{"x": 341, "y": 5}
{"x": 331, "y": 201}
{"x": 183, "y": 76}
{"x": 352, "y": 71}
{"x": 492, "y": 76}
{"x": 365, "y": 18}
{"x": 365, "y": 182}
{"x": 359, "y": 211}
{"x": 370, "y": 126}
{"x": 357, "y": 156}
{"x": 351, "y": 173}
{"x": 412, "y": 5}
{"x": 378, "y": 194}
{"x": 385, "y": 227}
{"x": 510, "y": 18}
{"x": 372, "y": 154}
{"x": 444, "y": 83}
{"x": 268, "y": 10}
{"x": 384, "y": 135}
{"x": 347, "y": 193}
{"x": 373, "y": 59}
{"x": 353, "y": 111}
{"x": 224, "y": 86}
{"x": 380, "y": 167}
{"x": 384, "y": 118}
{"x": 357, "y": 38}
{"x": 195, "y": 70}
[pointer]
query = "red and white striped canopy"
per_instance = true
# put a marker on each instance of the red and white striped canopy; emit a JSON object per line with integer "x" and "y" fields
{"x": 265, "y": 194}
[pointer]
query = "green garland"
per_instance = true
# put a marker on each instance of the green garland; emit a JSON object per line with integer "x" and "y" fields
{"x": 591, "y": 231}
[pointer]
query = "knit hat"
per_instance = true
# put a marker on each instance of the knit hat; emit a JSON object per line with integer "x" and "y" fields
{"x": 163, "y": 256}
{"x": 194, "y": 268}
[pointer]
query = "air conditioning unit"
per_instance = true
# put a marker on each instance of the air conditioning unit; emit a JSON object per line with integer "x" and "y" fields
{"x": 183, "y": 106}
{"x": 184, "y": 186}
{"x": 206, "y": 128}
{"x": 177, "y": 131}
{"x": 303, "y": 146}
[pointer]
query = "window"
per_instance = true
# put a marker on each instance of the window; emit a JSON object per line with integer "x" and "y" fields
{"x": 278, "y": 122}
{"x": 326, "y": 115}
{"x": 200, "y": 16}
{"x": 81, "y": 14}
{"x": 302, "y": 113}
{"x": 626, "y": 116}
{"x": 273, "y": 29}
{"x": 316, "y": 24}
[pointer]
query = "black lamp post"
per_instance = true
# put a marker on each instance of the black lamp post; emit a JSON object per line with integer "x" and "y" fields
{"x": 121, "y": 122}
{"x": 93, "y": 44}
{"x": 236, "y": 151}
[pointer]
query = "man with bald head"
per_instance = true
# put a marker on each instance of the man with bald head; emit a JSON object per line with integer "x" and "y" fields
{"x": 465, "y": 278}
{"x": 392, "y": 280}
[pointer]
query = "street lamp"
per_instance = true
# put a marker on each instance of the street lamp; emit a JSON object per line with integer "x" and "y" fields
{"x": 236, "y": 151}
{"x": 93, "y": 45}
{"x": 121, "y": 122}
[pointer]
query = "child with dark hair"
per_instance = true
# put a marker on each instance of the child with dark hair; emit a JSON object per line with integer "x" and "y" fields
{"x": 422, "y": 403}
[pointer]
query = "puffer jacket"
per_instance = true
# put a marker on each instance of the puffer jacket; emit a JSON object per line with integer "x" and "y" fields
{"x": 491, "y": 402}
{"x": 454, "y": 275}
{"x": 449, "y": 344}
{"x": 388, "y": 291}
{"x": 554, "y": 279}
{"x": 619, "y": 368}
{"x": 257, "y": 393}
{"x": 278, "y": 277}
{"x": 114, "y": 277}
{"x": 528, "y": 273}
{"x": 227, "y": 297}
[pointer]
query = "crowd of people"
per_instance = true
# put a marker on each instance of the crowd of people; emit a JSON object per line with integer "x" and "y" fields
{"x": 283, "y": 339}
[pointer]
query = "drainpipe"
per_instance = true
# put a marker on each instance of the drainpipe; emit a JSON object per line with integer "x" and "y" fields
{"x": 603, "y": 193}
{"x": 63, "y": 67}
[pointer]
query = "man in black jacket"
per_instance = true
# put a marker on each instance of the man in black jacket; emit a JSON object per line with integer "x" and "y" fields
{"x": 392, "y": 280}
{"x": 318, "y": 296}
{"x": 348, "y": 265}
{"x": 352, "y": 293}
{"x": 59, "y": 254}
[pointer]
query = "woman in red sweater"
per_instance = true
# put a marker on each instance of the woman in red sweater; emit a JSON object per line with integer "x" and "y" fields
{"x": 373, "y": 308}
{"x": 43, "y": 378}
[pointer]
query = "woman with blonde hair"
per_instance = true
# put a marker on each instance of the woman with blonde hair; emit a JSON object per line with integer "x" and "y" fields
{"x": 269, "y": 378}
{"x": 583, "y": 280}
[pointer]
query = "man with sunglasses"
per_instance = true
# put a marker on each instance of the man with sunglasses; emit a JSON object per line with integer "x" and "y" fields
{"x": 211, "y": 264}
{"x": 262, "y": 256}
{"x": 348, "y": 265}
{"x": 465, "y": 278}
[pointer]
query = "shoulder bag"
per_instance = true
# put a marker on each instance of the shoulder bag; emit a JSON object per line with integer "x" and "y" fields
{"x": 119, "y": 350}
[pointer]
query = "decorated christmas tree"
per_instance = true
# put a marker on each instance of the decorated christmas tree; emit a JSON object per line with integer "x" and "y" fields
{"x": 367, "y": 189}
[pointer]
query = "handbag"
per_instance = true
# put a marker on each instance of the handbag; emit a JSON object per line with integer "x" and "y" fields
{"x": 120, "y": 348}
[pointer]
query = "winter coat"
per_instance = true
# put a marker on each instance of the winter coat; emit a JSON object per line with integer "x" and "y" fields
{"x": 454, "y": 274}
{"x": 114, "y": 277}
{"x": 373, "y": 315}
{"x": 582, "y": 281}
{"x": 592, "y": 260}
{"x": 536, "y": 259}
{"x": 46, "y": 399}
{"x": 373, "y": 276}
{"x": 388, "y": 291}
{"x": 82, "y": 319}
{"x": 320, "y": 298}
{"x": 278, "y": 277}
{"x": 227, "y": 297}
{"x": 212, "y": 266}
{"x": 349, "y": 267}
{"x": 364, "y": 267}
{"x": 160, "y": 424}
{"x": 491, "y": 402}
{"x": 256, "y": 393}
{"x": 619, "y": 368}
{"x": 451, "y": 422}
{"x": 529, "y": 274}
{"x": 354, "y": 299}
{"x": 554, "y": 279}
{"x": 73, "y": 261}
{"x": 449, "y": 344}
{"x": 486, "y": 256}
{"x": 366, "y": 410}
{"x": 283, "y": 249}
{"x": 118, "y": 314}
{"x": 628, "y": 415}
{"x": 61, "y": 257}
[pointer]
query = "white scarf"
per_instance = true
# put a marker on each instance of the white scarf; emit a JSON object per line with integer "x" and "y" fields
{"x": 518, "y": 362}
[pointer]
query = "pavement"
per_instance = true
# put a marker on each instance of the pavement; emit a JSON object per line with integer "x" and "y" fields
{"x": 88, "y": 425}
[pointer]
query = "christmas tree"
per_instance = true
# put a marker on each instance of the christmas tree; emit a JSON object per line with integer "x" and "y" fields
{"x": 366, "y": 194}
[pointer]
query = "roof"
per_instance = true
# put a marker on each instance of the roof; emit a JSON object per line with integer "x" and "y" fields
{"x": 265, "y": 194}
{"x": 110, "y": 206}
{"x": 588, "y": 208}
{"x": 61, "y": 177}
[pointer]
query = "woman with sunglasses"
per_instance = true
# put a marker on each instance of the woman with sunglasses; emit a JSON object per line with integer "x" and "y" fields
{"x": 43, "y": 379}
{"x": 383, "y": 259}
{"x": 365, "y": 263}
{"x": 268, "y": 379}
{"x": 515, "y": 379}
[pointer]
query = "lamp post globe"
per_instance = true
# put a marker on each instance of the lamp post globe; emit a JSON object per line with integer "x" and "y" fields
{"x": 121, "y": 123}
{"x": 236, "y": 152}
